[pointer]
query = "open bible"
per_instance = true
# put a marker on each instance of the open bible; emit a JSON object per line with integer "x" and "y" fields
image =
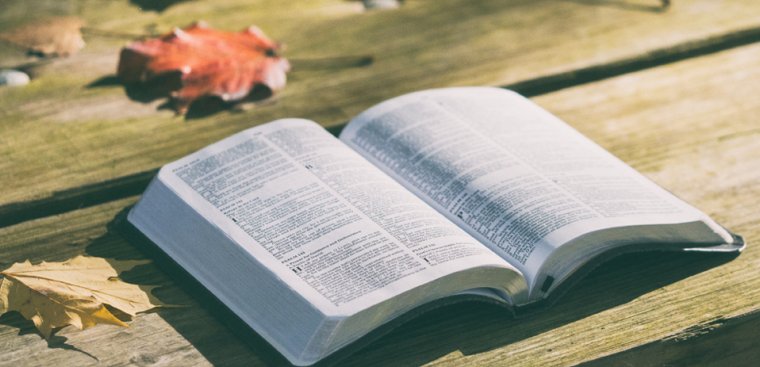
{"x": 316, "y": 241}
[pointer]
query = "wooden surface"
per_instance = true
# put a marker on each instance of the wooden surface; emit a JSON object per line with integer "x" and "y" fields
{"x": 74, "y": 127}
{"x": 652, "y": 87}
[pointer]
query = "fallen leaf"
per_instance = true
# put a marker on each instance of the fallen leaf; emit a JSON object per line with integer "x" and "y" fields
{"x": 207, "y": 62}
{"x": 59, "y": 36}
{"x": 73, "y": 292}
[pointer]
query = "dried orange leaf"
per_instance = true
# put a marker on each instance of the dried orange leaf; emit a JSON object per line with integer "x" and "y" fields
{"x": 206, "y": 62}
{"x": 73, "y": 292}
{"x": 60, "y": 36}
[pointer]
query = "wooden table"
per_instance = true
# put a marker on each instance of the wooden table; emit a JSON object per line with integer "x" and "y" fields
{"x": 675, "y": 93}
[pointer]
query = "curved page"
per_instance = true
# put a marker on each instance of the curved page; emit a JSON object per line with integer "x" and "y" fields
{"x": 320, "y": 217}
{"x": 514, "y": 176}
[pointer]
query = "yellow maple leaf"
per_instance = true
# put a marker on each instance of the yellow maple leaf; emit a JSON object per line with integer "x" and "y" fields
{"x": 73, "y": 292}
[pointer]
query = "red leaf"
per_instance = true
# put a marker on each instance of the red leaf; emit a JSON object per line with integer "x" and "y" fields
{"x": 209, "y": 63}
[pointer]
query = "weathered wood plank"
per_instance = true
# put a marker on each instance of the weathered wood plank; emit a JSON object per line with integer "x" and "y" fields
{"x": 690, "y": 126}
{"x": 731, "y": 342}
{"x": 70, "y": 128}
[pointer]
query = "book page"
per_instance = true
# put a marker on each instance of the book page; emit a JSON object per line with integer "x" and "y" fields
{"x": 330, "y": 224}
{"x": 511, "y": 174}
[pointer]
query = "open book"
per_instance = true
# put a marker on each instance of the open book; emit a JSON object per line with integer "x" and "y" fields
{"x": 316, "y": 241}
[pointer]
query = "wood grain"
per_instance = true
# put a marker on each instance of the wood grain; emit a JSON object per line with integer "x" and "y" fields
{"x": 690, "y": 126}
{"x": 72, "y": 126}
{"x": 731, "y": 342}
